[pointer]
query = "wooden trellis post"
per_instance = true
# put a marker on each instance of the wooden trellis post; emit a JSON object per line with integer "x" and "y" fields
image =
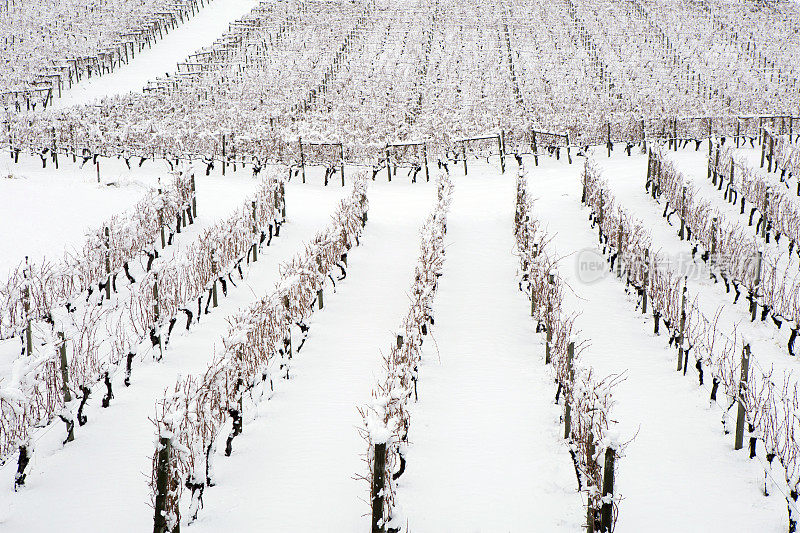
{"x": 161, "y": 221}
{"x": 500, "y": 149}
{"x": 644, "y": 138}
{"x": 570, "y": 358}
{"x": 464, "y": 155}
{"x": 194, "y": 196}
{"x": 739, "y": 438}
{"x": 214, "y": 285}
{"x": 714, "y": 224}
{"x": 286, "y": 306}
{"x": 425, "y": 158}
{"x": 771, "y": 154}
{"x": 682, "y": 231}
{"x": 388, "y": 165}
{"x": 302, "y": 158}
{"x": 548, "y": 325}
{"x": 157, "y": 312}
{"x": 570, "y": 379}
{"x": 731, "y": 177}
{"x": 108, "y": 261}
{"x": 283, "y": 200}
{"x": 341, "y": 158}
{"x": 378, "y": 484}
{"x": 590, "y": 511}
{"x": 224, "y": 153}
{"x": 738, "y": 131}
{"x": 569, "y": 156}
{"x": 62, "y": 352}
{"x": 162, "y": 485}
{"x": 608, "y": 491}
{"x": 675, "y": 133}
{"x": 255, "y": 233}
{"x": 26, "y": 302}
{"x": 715, "y": 174}
{"x": 646, "y": 280}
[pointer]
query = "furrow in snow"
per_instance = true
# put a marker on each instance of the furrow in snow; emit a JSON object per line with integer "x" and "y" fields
{"x": 626, "y": 177}
{"x": 484, "y": 449}
{"x": 302, "y": 450}
{"x": 677, "y": 441}
{"x": 163, "y": 57}
{"x": 118, "y": 443}
{"x": 693, "y": 166}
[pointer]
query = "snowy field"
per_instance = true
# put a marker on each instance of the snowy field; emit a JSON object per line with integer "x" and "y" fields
{"x": 417, "y": 266}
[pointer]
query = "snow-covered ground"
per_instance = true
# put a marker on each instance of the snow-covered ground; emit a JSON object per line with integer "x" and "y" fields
{"x": 484, "y": 451}
{"x": 52, "y": 209}
{"x": 47, "y": 211}
{"x": 163, "y": 57}
{"x": 679, "y": 466}
{"x": 118, "y": 441}
{"x": 302, "y": 447}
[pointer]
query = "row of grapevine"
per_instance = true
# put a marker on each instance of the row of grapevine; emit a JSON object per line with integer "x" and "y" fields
{"x": 105, "y": 339}
{"x": 766, "y": 406}
{"x": 386, "y": 418}
{"x": 53, "y": 45}
{"x": 89, "y": 133}
{"x": 587, "y": 399}
{"x": 34, "y": 290}
{"x": 784, "y": 154}
{"x": 258, "y": 345}
{"x": 752, "y": 191}
{"x": 344, "y": 62}
{"x": 763, "y": 35}
{"x": 738, "y": 259}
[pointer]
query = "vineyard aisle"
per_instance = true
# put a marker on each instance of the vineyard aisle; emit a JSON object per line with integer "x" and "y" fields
{"x": 217, "y": 198}
{"x": 484, "y": 451}
{"x": 293, "y": 467}
{"x": 72, "y": 196}
{"x": 199, "y": 31}
{"x": 107, "y": 466}
{"x": 680, "y": 472}
{"x": 625, "y": 177}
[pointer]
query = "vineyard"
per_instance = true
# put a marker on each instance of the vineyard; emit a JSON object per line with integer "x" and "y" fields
{"x": 295, "y": 265}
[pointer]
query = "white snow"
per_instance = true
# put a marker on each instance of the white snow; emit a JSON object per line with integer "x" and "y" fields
{"x": 163, "y": 58}
{"x": 119, "y": 440}
{"x": 484, "y": 452}
{"x": 49, "y": 211}
{"x": 302, "y": 449}
{"x": 680, "y": 466}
